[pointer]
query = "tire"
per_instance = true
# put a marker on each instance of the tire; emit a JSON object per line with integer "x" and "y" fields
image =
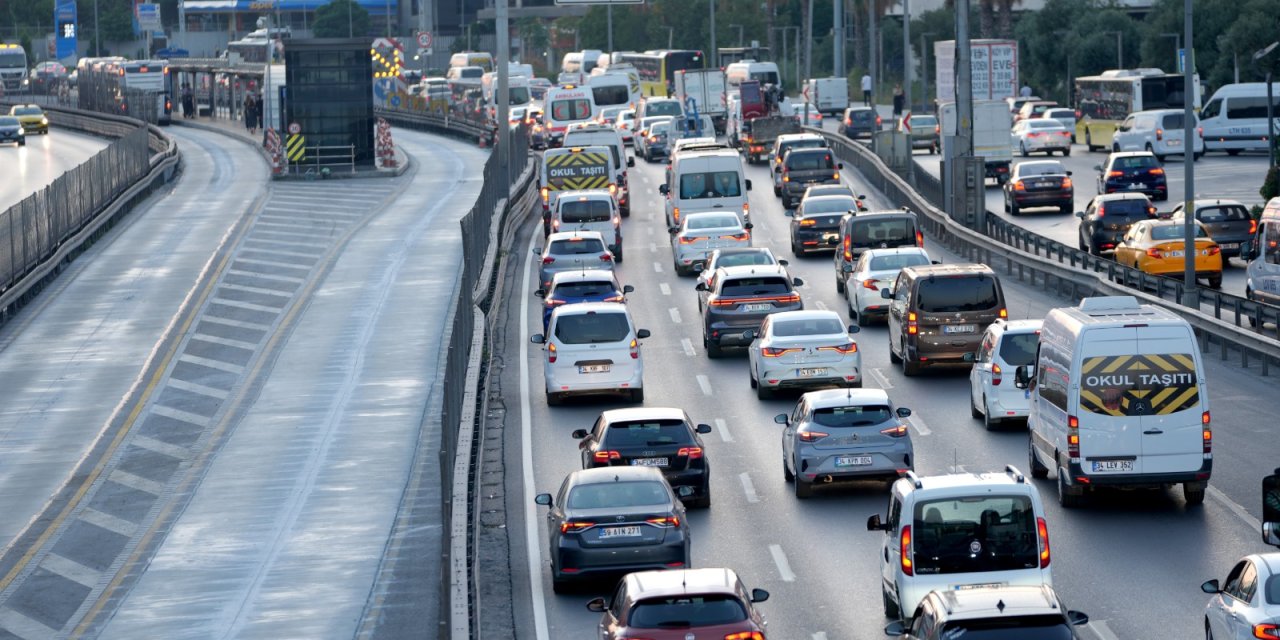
{"x": 1215, "y": 282}
{"x": 987, "y": 422}
{"x": 1013, "y": 209}
{"x": 1080, "y": 244}
{"x": 763, "y": 392}
{"x": 893, "y": 357}
{"x": 1253, "y": 320}
{"x": 554, "y": 399}
{"x": 1065, "y": 209}
{"x": 840, "y": 285}
{"x": 1067, "y": 151}
{"x": 909, "y": 368}
{"x": 751, "y": 374}
{"x": 795, "y": 250}
{"x": 777, "y": 192}
{"x": 803, "y": 489}
{"x": 861, "y": 318}
{"x": 1022, "y": 147}
{"x": 22, "y": 142}
{"x": 1194, "y": 495}
{"x": 1208, "y": 633}
{"x": 1033, "y": 462}
{"x": 714, "y": 350}
{"x": 1067, "y": 500}
{"x": 636, "y": 395}
{"x": 560, "y": 587}
{"x": 891, "y": 610}
{"x": 786, "y": 473}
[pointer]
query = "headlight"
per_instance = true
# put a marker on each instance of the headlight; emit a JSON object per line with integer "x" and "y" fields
{"x": 44, "y": 121}
{"x": 21, "y": 131}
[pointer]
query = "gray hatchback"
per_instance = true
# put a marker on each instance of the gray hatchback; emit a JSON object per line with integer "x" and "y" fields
{"x": 735, "y": 299}
{"x": 839, "y": 435}
{"x": 1228, "y": 222}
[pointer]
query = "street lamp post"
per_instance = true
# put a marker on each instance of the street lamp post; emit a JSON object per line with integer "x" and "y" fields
{"x": 715, "y": 56}
{"x": 1271, "y": 116}
{"x": 1190, "y": 297}
{"x": 671, "y": 35}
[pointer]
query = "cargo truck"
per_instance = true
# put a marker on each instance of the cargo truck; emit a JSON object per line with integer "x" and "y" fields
{"x": 708, "y": 92}
{"x": 992, "y": 140}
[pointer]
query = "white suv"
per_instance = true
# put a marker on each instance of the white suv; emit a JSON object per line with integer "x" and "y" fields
{"x": 1007, "y": 345}
{"x": 960, "y": 531}
{"x": 592, "y": 348}
{"x": 1159, "y": 131}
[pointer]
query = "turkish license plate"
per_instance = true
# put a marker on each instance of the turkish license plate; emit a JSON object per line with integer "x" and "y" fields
{"x": 1230, "y": 245}
{"x": 1175, "y": 254}
{"x": 1175, "y": 143}
{"x": 756, "y": 307}
{"x": 959, "y": 328}
{"x": 593, "y": 368}
{"x": 853, "y": 461}
{"x": 620, "y": 532}
{"x": 812, "y": 372}
{"x": 830, "y": 237}
{"x": 650, "y": 462}
{"x": 1112, "y": 466}
{"x": 1044, "y": 183}
{"x": 1134, "y": 186}
{"x": 984, "y": 585}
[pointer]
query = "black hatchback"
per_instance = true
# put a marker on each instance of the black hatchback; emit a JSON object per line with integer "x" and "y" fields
{"x": 860, "y": 121}
{"x": 1133, "y": 172}
{"x": 659, "y": 437}
{"x": 815, "y": 225}
{"x": 1108, "y": 217}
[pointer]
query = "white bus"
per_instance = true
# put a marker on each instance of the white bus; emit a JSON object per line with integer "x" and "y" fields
{"x": 1235, "y": 118}
{"x": 480, "y": 59}
{"x": 1104, "y": 101}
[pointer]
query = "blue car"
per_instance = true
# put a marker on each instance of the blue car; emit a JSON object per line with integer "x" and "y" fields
{"x": 1133, "y": 172}
{"x": 587, "y": 285}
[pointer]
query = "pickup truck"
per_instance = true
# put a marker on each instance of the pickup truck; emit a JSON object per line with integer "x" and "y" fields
{"x": 760, "y": 134}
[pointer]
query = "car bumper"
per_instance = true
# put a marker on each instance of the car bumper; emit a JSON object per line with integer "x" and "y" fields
{"x": 729, "y": 334}
{"x": 567, "y": 381}
{"x": 821, "y": 466}
{"x": 11, "y": 137}
{"x": 1049, "y": 145}
{"x": 35, "y": 127}
{"x": 575, "y": 561}
{"x": 1008, "y": 405}
{"x": 1077, "y": 477}
{"x": 1160, "y": 190}
{"x": 1043, "y": 198}
{"x": 923, "y": 143}
{"x": 943, "y": 353}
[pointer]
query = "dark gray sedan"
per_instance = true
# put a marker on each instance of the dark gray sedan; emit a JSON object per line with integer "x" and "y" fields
{"x": 1228, "y": 222}
{"x": 11, "y": 131}
{"x": 610, "y": 521}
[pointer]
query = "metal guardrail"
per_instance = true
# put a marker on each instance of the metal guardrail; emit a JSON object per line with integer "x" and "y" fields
{"x": 444, "y": 123}
{"x": 49, "y": 228}
{"x": 1066, "y": 270}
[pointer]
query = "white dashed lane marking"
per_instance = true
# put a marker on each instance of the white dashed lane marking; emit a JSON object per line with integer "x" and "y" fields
{"x": 687, "y": 345}
{"x": 705, "y": 384}
{"x": 748, "y": 488}
{"x": 723, "y": 430}
{"x": 664, "y": 288}
{"x": 675, "y": 315}
{"x": 780, "y": 559}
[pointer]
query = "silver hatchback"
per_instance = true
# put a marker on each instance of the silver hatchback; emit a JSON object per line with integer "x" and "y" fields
{"x": 839, "y": 435}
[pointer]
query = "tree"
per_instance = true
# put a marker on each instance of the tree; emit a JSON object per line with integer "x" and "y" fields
{"x": 340, "y": 19}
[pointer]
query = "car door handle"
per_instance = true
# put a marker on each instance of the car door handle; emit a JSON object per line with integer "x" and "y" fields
{"x": 1152, "y": 432}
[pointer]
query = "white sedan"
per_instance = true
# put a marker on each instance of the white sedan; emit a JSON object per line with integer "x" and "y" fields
{"x": 803, "y": 350}
{"x": 699, "y": 234}
{"x": 736, "y": 258}
{"x": 1041, "y": 134}
{"x": 877, "y": 269}
{"x": 1247, "y": 605}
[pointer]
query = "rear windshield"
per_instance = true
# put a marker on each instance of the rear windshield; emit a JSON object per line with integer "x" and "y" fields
{"x": 1047, "y": 627}
{"x": 833, "y": 205}
{"x": 710, "y": 184}
{"x": 763, "y": 286}
{"x": 592, "y": 328}
{"x": 1018, "y": 349}
{"x": 584, "y": 289}
{"x": 810, "y": 327}
{"x": 980, "y": 533}
{"x": 617, "y": 94}
{"x": 576, "y": 246}
{"x": 800, "y": 144}
{"x": 923, "y": 121}
{"x": 957, "y": 293}
{"x": 1134, "y": 162}
{"x": 686, "y": 611}
{"x": 663, "y": 108}
{"x": 615, "y": 495}
{"x": 1173, "y": 121}
{"x": 739, "y": 259}
{"x": 586, "y": 211}
{"x": 862, "y": 114}
{"x": 711, "y": 222}
{"x": 564, "y": 110}
{"x": 899, "y": 261}
{"x": 1223, "y": 213}
{"x": 651, "y": 433}
{"x": 808, "y": 161}
{"x": 1041, "y": 169}
{"x": 750, "y": 93}
{"x": 892, "y": 230}
{"x": 1133, "y": 209}
{"x": 1174, "y": 232}
{"x": 852, "y": 416}
{"x": 828, "y": 190}
{"x": 1132, "y": 385}
{"x": 1060, "y": 113}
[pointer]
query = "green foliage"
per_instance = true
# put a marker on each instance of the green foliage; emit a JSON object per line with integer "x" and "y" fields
{"x": 340, "y": 19}
{"x": 1073, "y": 33}
{"x": 1271, "y": 185}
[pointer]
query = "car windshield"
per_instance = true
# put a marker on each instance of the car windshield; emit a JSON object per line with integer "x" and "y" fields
{"x": 957, "y": 293}
{"x": 584, "y": 289}
{"x": 739, "y": 259}
{"x": 1223, "y": 213}
{"x": 1018, "y": 349}
{"x": 1134, "y": 162}
{"x": 592, "y": 328}
{"x": 663, "y": 108}
{"x": 761, "y": 286}
{"x": 807, "y": 327}
{"x": 923, "y": 122}
{"x": 827, "y": 204}
{"x": 1048, "y": 627}
{"x": 26, "y": 111}
{"x": 6, "y": 121}
{"x": 711, "y": 222}
{"x": 1040, "y": 169}
{"x": 575, "y": 246}
{"x": 859, "y": 416}
{"x": 897, "y": 261}
{"x": 710, "y": 184}
{"x": 1060, "y": 113}
{"x": 576, "y": 211}
{"x": 974, "y": 534}
{"x": 647, "y": 433}
{"x": 661, "y": 128}
{"x": 612, "y": 495}
{"x": 685, "y": 611}
{"x": 809, "y": 161}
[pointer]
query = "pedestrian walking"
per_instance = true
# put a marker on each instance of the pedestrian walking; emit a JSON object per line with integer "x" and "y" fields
{"x": 866, "y": 89}
{"x": 188, "y": 101}
{"x": 899, "y": 99}
{"x": 251, "y": 113}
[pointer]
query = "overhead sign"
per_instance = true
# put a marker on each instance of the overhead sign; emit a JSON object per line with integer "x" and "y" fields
{"x": 148, "y": 15}
{"x": 65, "y": 34}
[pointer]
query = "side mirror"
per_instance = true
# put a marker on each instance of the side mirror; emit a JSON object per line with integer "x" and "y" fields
{"x": 782, "y": 418}
{"x": 1080, "y": 214}
{"x": 797, "y": 282}
{"x": 749, "y": 334}
{"x": 935, "y": 262}
{"x": 759, "y": 595}
{"x": 1022, "y": 377}
{"x": 840, "y": 166}
{"x": 789, "y": 213}
{"x": 628, "y": 289}
{"x": 662, "y": 188}
{"x": 1211, "y": 587}
{"x": 1271, "y": 533}
{"x": 874, "y": 524}
{"x": 895, "y": 629}
{"x": 579, "y": 434}
{"x": 684, "y": 491}
{"x": 631, "y": 161}
{"x": 748, "y": 226}
{"x": 1077, "y": 618}
{"x": 886, "y": 294}
{"x": 853, "y": 328}
{"x": 1098, "y": 168}
{"x": 701, "y": 286}
{"x": 1069, "y": 173}
{"x": 703, "y": 428}
{"x": 861, "y": 197}
{"x": 597, "y": 605}
{"x": 784, "y": 262}
{"x": 673, "y": 230}
{"x": 903, "y": 412}
{"x": 537, "y": 251}
{"x": 543, "y": 499}
{"x": 541, "y": 293}
{"x": 748, "y": 185}
{"x": 641, "y": 334}
{"x": 847, "y": 268}
{"x": 537, "y": 338}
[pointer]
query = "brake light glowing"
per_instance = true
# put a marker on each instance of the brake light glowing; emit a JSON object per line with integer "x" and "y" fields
{"x": 1066, "y": 182}
{"x": 1159, "y": 134}
{"x": 919, "y": 239}
{"x": 693, "y": 453}
{"x": 1043, "y": 530}
{"x": 1155, "y": 252}
{"x": 689, "y": 239}
{"x": 1115, "y": 174}
{"x": 546, "y": 193}
{"x": 835, "y": 176}
{"x": 904, "y": 544}
{"x": 1156, "y": 171}
{"x": 736, "y": 236}
{"x": 1004, "y": 314}
{"x": 1018, "y": 186}
{"x": 899, "y": 431}
{"x": 996, "y": 375}
{"x": 871, "y": 284}
{"x": 848, "y": 249}
{"x": 777, "y": 352}
{"x": 811, "y": 436}
{"x": 551, "y": 352}
{"x": 1253, "y": 227}
{"x": 575, "y": 527}
{"x": 548, "y": 260}
{"x": 1102, "y": 211}
{"x": 606, "y": 456}
{"x": 635, "y": 349}
{"x": 1073, "y": 438}
{"x": 913, "y": 327}
{"x": 1266, "y": 631}
{"x": 1214, "y": 250}
{"x": 606, "y": 257}
{"x": 667, "y": 521}
{"x": 745, "y": 635}
{"x": 847, "y": 348}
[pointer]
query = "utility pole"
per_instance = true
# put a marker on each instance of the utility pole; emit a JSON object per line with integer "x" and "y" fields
{"x": 907, "y": 67}
{"x": 503, "y": 125}
{"x": 609, "y": 17}
{"x": 837, "y": 40}
{"x": 1190, "y": 297}
{"x": 97, "y": 39}
{"x": 808, "y": 44}
{"x": 1271, "y": 116}
{"x": 714, "y": 56}
{"x": 924, "y": 67}
{"x": 964, "y": 80}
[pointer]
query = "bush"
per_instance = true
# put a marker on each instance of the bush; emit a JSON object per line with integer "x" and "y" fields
{"x": 1271, "y": 186}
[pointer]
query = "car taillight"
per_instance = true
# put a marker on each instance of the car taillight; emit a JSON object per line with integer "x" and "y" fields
{"x": 552, "y": 302}
{"x": 811, "y": 436}
{"x": 1033, "y": 134}
{"x": 617, "y": 298}
{"x": 575, "y": 526}
{"x": 1159, "y": 134}
{"x": 913, "y": 327}
{"x": 899, "y": 431}
{"x": 693, "y": 453}
{"x": 808, "y": 222}
{"x": 1215, "y": 250}
{"x": 904, "y": 544}
{"x": 835, "y": 176}
{"x": 635, "y": 349}
{"x": 1018, "y": 186}
{"x": 675, "y": 214}
{"x": 1155, "y": 252}
{"x": 551, "y": 352}
{"x": 546, "y": 193}
{"x": 1115, "y": 174}
{"x": 776, "y": 352}
{"x": 1253, "y": 227}
{"x": 606, "y": 456}
{"x": 606, "y": 257}
{"x": 850, "y": 347}
{"x": 688, "y": 239}
{"x": 1003, "y": 313}
{"x": 548, "y": 260}
{"x": 1073, "y": 438}
{"x": 919, "y": 239}
{"x": 848, "y": 249}
{"x": 871, "y": 283}
{"x": 1102, "y": 211}
{"x": 1042, "y": 529}
{"x": 996, "y": 375}
{"x": 848, "y": 122}
{"x": 666, "y": 521}
{"x": 555, "y": 224}
{"x": 1266, "y": 631}
{"x": 879, "y": 120}
{"x": 790, "y": 298}
{"x": 1065, "y": 134}
{"x": 745, "y": 635}
{"x": 1156, "y": 171}
{"x": 1200, "y": 132}
{"x": 1066, "y": 182}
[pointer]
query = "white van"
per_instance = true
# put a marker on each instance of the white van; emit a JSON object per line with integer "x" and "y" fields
{"x": 1160, "y": 131}
{"x": 765, "y": 72}
{"x": 1235, "y": 118}
{"x": 615, "y": 89}
{"x": 590, "y": 210}
{"x": 603, "y": 135}
{"x": 1262, "y": 281}
{"x": 1118, "y": 399}
{"x": 830, "y": 95}
{"x": 565, "y": 106}
{"x": 706, "y": 181}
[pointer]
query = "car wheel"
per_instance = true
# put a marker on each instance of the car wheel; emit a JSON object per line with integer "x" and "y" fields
{"x": 973, "y": 406}
{"x": 987, "y": 422}
{"x": 891, "y": 610}
{"x": 1215, "y": 281}
{"x": 862, "y": 318}
{"x": 752, "y": 374}
{"x": 1193, "y": 493}
{"x": 803, "y": 489}
{"x": 1013, "y": 208}
{"x": 1080, "y": 244}
{"x": 559, "y": 586}
{"x": 1065, "y": 209}
{"x": 636, "y": 395}
{"x": 909, "y": 367}
{"x": 1067, "y": 499}
{"x": 22, "y": 142}
{"x": 1253, "y": 320}
{"x": 1033, "y": 462}
{"x": 1067, "y": 151}
{"x": 763, "y": 392}
{"x": 554, "y": 399}
{"x": 796, "y": 250}
{"x": 1022, "y": 146}
{"x": 840, "y": 285}
{"x": 786, "y": 472}
{"x": 714, "y": 350}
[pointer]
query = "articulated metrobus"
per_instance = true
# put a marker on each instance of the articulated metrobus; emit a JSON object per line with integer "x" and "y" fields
{"x": 1103, "y": 102}
{"x": 657, "y": 69}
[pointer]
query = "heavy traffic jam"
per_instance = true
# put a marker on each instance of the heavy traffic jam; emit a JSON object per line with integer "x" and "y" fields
{"x": 1111, "y": 391}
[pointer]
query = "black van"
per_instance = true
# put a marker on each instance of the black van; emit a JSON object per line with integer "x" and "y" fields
{"x": 873, "y": 230}
{"x": 939, "y": 313}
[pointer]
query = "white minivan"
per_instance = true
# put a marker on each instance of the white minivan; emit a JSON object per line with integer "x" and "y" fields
{"x": 1118, "y": 399}
{"x": 1235, "y": 118}
{"x": 1160, "y": 132}
{"x": 603, "y": 135}
{"x": 1262, "y": 281}
{"x": 706, "y": 181}
{"x": 592, "y": 348}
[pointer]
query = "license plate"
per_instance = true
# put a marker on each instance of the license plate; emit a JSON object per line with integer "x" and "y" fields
{"x": 812, "y": 373}
{"x": 756, "y": 307}
{"x": 830, "y": 237}
{"x": 959, "y": 328}
{"x": 1175, "y": 254}
{"x": 1230, "y": 245}
{"x": 1112, "y": 466}
{"x": 620, "y": 532}
{"x": 594, "y": 368}
{"x": 1044, "y": 183}
{"x": 1175, "y": 143}
{"x": 650, "y": 462}
{"x": 984, "y": 585}
{"x": 853, "y": 461}
{"x": 1135, "y": 186}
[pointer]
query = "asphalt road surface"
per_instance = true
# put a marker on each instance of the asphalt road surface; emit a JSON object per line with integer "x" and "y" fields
{"x": 26, "y": 170}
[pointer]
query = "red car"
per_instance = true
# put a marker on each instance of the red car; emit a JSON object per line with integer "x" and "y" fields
{"x": 672, "y": 605}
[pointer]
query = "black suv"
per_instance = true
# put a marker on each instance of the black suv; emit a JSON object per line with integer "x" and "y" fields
{"x": 735, "y": 299}
{"x": 804, "y": 167}
{"x": 1108, "y": 217}
{"x": 651, "y": 437}
{"x": 860, "y": 121}
{"x": 1133, "y": 172}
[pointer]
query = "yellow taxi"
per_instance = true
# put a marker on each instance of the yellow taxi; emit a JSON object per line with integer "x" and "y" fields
{"x": 1157, "y": 247}
{"x": 31, "y": 116}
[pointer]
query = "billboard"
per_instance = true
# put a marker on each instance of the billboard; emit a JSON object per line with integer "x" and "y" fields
{"x": 65, "y": 34}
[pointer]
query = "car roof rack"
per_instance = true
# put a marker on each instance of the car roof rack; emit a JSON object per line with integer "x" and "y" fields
{"x": 1017, "y": 475}
{"x": 915, "y": 479}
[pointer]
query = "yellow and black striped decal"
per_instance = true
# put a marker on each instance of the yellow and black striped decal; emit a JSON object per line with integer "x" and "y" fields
{"x": 577, "y": 170}
{"x": 1139, "y": 385}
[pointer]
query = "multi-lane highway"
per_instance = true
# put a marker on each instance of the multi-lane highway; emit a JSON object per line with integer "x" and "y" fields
{"x": 28, "y": 169}
{"x": 1132, "y": 561}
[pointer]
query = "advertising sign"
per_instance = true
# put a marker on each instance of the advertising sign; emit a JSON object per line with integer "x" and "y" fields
{"x": 65, "y": 36}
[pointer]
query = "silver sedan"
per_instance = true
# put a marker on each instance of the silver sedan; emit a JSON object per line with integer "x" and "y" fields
{"x": 803, "y": 350}
{"x": 839, "y": 435}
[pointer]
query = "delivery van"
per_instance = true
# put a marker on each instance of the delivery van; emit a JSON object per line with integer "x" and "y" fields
{"x": 703, "y": 181}
{"x": 1118, "y": 399}
{"x": 1262, "y": 252}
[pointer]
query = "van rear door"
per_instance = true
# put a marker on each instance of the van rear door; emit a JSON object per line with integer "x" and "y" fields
{"x": 1171, "y": 405}
{"x": 1110, "y": 438}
